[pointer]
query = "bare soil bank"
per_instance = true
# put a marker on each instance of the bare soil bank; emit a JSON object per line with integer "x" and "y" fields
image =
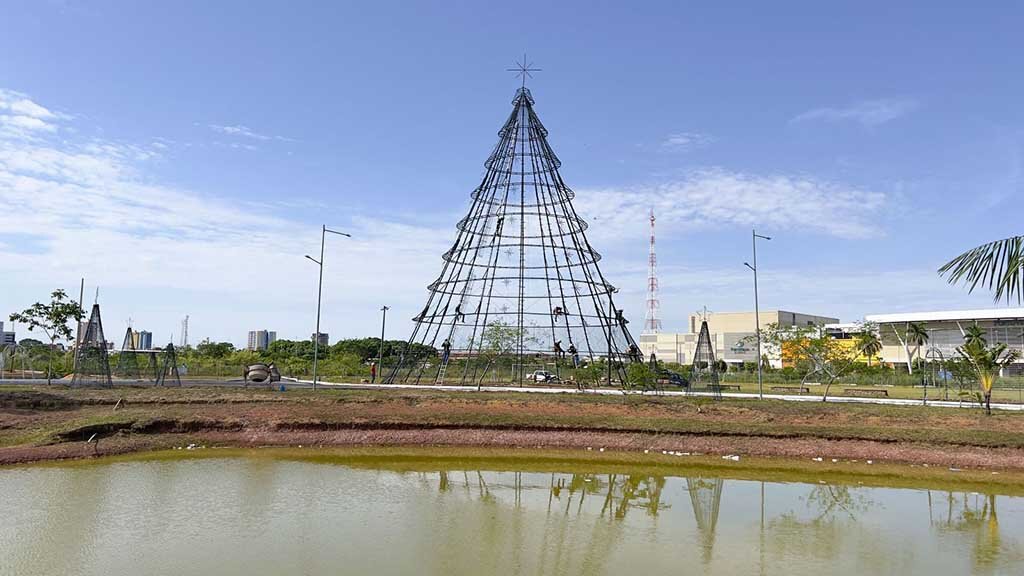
{"x": 55, "y": 423}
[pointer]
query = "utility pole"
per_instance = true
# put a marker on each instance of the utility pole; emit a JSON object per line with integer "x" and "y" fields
{"x": 380, "y": 355}
{"x": 757, "y": 312}
{"x": 78, "y": 325}
{"x": 319, "y": 293}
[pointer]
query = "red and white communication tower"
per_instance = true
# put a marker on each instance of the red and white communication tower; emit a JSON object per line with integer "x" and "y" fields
{"x": 652, "y": 325}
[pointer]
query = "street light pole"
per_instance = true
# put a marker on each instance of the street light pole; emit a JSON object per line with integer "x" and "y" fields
{"x": 380, "y": 355}
{"x": 757, "y": 311}
{"x": 319, "y": 293}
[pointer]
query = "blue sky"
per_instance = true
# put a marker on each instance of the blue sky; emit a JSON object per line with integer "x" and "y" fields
{"x": 181, "y": 156}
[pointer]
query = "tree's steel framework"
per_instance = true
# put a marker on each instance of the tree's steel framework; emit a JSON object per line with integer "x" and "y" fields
{"x": 521, "y": 261}
{"x": 91, "y": 361}
{"x": 127, "y": 361}
{"x": 704, "y": 370}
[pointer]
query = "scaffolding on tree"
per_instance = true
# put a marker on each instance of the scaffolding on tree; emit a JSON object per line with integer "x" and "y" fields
{"x": 704, "y": 371}
{"x": 169, "y": 368}
{"x": 520, "y": 289}
{"x": 127, "y": 359}
{"x": 92, "y": 365}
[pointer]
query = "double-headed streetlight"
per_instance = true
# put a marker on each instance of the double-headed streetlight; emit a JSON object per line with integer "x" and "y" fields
{"x": 319, "y": 292}
{"x": 757, "y": 311}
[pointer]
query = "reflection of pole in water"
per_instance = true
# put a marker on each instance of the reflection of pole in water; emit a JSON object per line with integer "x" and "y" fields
{"x": 706, "y": 498}
{"x": 978, "y": 518}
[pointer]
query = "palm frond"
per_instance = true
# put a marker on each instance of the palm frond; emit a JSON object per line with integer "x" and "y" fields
{"x": 997, "y": 266}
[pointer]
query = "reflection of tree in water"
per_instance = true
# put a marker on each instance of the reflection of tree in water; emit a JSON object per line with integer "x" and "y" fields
{"x": 834, "y": 509}
{"x": 832, "y": 500}
{"x": 619, "y": 492}
{"x": 706, "y": 498}
{"x": 974, "y": 515}
{"x": 585, "y": 514}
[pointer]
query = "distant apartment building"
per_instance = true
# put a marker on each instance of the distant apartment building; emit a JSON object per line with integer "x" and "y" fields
{"x": 261, "y": 339}
{"x": 6, "y": 338}
{"x": 142, "y": 340}
{"x": 323, "y": 339}
{"x": 732, "y": 335}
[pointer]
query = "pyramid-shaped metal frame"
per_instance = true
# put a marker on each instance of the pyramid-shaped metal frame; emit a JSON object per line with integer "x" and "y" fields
{"x": 704, "y": 370}
{"x": 521, "y": 265}
{"x": 169, "y": 367}
{"x": 92, "y": 364}
{"x": 127, "y": 359}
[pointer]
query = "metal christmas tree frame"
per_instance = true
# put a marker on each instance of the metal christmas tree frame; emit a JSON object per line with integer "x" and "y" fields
{"x": 127, "y": 360}
{"x": 91, "y": 360}
{"x": 520, "y": 289}
{"x": 704, "y": 370}
{"x": 169, "y": 368}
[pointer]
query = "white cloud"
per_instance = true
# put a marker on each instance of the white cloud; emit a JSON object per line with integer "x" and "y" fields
{"x": 866, "y": 112}
{"x": 713, "y": 198}
{"x": 85, "y": 208}
{"x": 22, "y": 118}
{"x": 683, "y": 141}
{"x": 239, "y": 130}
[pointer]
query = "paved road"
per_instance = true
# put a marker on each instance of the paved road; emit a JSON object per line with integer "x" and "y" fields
{"x": 616, "y": 392}
{"x": 305, "y": 384}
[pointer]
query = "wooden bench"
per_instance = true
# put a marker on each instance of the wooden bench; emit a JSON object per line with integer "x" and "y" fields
{"x": 866, "y": 392}
{"x": 797, "y": 389}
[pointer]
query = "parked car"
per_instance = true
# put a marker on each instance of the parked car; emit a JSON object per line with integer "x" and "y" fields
{"x": 673, "y": 378}
{"x": 542, "y": 376}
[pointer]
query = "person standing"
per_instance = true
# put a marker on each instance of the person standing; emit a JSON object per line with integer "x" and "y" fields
{"x": 446, "y": 348}
{"x": 373, "y": 372}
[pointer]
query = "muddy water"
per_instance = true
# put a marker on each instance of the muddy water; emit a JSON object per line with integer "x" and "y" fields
{"x": 262, "y": 516}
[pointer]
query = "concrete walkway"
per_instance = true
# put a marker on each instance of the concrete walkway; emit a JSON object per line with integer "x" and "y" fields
{"x": 617, "y": 392}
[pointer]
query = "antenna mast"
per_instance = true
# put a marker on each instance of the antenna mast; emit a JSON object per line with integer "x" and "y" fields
{"x": 652, "y": 324}
{"x": 184, "y": 332}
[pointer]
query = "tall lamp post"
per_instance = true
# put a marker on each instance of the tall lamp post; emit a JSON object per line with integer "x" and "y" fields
{"x": 319, "y": 293}
{"x": 380, "y": 355}
{"x": 757, "y": 312}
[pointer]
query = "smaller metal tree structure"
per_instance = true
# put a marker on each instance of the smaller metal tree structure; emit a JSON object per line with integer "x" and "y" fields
{"x": 91, "y": 360}
{"x": 169, "y": 367}
{"x": 704, "y": 373}
{"x": 127, "y": 360}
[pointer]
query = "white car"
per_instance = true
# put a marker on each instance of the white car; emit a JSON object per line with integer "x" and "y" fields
{"x": 542, "y": 376}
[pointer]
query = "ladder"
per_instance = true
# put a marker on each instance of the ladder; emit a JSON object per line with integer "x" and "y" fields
{"x": 440, "y": 373}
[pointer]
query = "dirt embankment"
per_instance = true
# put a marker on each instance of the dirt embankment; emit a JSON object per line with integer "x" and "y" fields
{"x": 51, "y": 424}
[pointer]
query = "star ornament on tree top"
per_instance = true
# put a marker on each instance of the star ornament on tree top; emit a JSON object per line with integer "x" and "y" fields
{"x": 523, "y": 69}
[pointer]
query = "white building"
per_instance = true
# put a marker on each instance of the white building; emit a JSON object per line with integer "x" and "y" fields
{"x": 7, "y": 338}
{"x": 731, "y": 333}
{"x": 946, "y": 332}
{"x": 261, "y": 339}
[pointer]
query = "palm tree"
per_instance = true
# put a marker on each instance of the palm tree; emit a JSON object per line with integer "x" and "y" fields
{"x": 869, "y": 344}
{"x": 997, "y": 265}
{"x": 987, "y": 362}
{"x": 975, "y": 335}
{"x": 916, "y": 334}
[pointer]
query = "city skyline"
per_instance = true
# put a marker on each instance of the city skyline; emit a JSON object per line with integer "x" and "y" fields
{"x": 865, "y": 158}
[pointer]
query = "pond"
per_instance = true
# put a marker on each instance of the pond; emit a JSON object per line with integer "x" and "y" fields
{"x": 257, "y": 514}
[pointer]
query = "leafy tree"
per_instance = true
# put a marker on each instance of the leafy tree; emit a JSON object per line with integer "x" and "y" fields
{"x": 997, "y": 266}
{"x": 869, "y": 344}
{"x": 640, "y": 375}
{"x": 52, "y": 319}
{"x": 30, "y": 343}
{"x": 987, "y": 362}
{"x": 813, "y": 349}
{"x": 500, "y": 340}
{"x": 207, "y": 349}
